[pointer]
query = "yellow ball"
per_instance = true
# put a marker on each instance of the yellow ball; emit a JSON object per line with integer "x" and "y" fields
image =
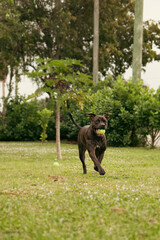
{"x": 101, "y": 131}
{"x": 56, "y": 164}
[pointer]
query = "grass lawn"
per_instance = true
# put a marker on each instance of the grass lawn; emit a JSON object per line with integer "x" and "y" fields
{"x": 42, "y": 201}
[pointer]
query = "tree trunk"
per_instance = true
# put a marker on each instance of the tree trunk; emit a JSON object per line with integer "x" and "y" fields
{"x": 3, "y": 97}
{"x": 17, "y": 80}
{"x": 96, "y": 42}
{"x": 138, "y": 41}
{"x": 58, "y": 146}
{"x": 152, "y": 138}
{"x": 3, "y": 86}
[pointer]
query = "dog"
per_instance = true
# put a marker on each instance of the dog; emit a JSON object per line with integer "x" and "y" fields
{"x": 90, "y": 138}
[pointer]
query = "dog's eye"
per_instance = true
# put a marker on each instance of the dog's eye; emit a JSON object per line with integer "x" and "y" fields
{"x": 97, "y": 121}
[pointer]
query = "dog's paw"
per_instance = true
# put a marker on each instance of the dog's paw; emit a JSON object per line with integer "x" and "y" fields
{"x": 84, "y": 171}
{"x": 102, "y": 172}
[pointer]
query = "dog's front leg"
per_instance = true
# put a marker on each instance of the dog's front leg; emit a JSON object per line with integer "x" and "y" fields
{"x": 99, "y": 155}
{"x": 96, "y": 162}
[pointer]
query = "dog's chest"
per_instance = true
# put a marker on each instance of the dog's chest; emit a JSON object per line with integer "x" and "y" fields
{"x": 100, "y": 144}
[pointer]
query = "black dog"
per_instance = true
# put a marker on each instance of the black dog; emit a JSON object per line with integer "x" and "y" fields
{"x": 89, "y": 138}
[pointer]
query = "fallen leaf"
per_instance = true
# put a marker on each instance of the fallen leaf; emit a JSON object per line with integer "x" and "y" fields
{"x": 117, "y": 210}
{"x": 57, "y": 178}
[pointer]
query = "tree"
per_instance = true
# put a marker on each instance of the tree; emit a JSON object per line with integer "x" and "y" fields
{"x": 138, "y": 41}
{"x": 151, "y": 33}
{"x": 12, "y": 42}
{"x": 63, "y": 81}
{"x": 58, "y": 29}
{"x": 96, "y": 42}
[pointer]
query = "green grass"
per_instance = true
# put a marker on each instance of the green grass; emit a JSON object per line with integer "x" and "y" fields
{"x": 43, "y": 201}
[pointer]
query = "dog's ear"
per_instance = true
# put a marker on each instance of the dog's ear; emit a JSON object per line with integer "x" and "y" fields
{"x": 91, "y": 115}
{"x": 107, "y": 115}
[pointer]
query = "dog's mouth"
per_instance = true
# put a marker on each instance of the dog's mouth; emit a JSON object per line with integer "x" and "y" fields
{"x": 100, "y": 132}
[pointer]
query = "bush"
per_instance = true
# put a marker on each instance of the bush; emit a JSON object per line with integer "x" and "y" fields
{"x": 122, "y": 99}
{"x": 135, "y": 115}
{"x": 21, "y": 122}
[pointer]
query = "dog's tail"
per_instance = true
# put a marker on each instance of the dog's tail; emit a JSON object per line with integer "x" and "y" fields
{"x": 74, "y": 121}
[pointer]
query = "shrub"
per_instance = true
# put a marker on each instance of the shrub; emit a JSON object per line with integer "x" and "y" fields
{"x": 44, "y": 114}
{"x": 21, "y": 122}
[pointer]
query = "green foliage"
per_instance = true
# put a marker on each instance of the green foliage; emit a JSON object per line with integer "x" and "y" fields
{"x": 44, "y": 114}
{"x": 62, "y": 80}
{"x": 22, "y": 121}
{"x": 151, "y": 34}
{"x": 12, "y": 36}
{"x": 148, "y": 116}
{"x": 119, "y": 99}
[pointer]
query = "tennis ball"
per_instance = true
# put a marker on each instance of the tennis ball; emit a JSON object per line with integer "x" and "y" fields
{"x": 56, "y": 164}
{"x": 101, "y": 131}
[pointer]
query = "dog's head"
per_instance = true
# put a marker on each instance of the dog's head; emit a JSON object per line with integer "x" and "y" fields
{"x": 99, "y": 122}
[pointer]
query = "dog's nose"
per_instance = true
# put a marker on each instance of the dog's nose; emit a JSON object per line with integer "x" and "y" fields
{"x": 102, "y": 126}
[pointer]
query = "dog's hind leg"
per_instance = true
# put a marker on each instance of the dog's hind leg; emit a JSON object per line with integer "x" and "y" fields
{"x": 82, "y": 158}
